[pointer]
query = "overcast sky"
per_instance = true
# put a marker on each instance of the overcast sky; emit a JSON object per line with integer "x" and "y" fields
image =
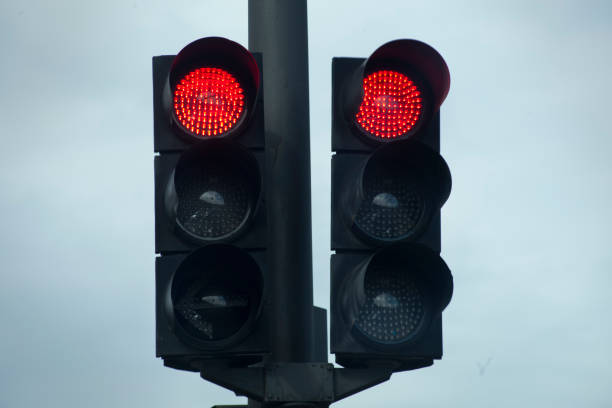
{"x": 526, "y": 231}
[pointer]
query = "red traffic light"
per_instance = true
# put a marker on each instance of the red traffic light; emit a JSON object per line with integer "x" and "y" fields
{"x": 208, "y": 101}
{"x": 389, "y": 284}
{"x": 212, "y": 88}
{"x": 396, "y": 91}
{"x": 391, "y": 104}
{"x": 418, "y": 58}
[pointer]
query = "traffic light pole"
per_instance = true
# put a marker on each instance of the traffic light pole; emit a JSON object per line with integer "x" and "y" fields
{"x": 278, "y": 30}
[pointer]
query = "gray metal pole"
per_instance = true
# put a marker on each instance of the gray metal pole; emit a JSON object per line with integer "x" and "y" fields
{"x": 278, "y": 29}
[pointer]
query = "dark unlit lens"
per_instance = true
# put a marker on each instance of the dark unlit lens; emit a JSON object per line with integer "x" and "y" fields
{"x": 391, "y": 206}
{"x": 214, "y": 200}
{"x": 393, "y": 310}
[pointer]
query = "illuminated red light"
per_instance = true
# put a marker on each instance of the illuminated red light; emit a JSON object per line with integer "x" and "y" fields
{"x": 391, "y": 105}
{"x": 208, "y": 101}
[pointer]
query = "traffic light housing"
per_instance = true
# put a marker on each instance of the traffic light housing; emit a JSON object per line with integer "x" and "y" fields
{"x": 388, "y": 282}
{"x": 210, "y": 218}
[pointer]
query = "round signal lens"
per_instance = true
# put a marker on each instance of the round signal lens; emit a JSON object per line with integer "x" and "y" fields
{"x": 216, "y": 292}
{"x": 392, "y": 205}
{"x": 208, "y": 101}
{"x": 391, "y": 106}
{"x": 394, "y": 307}
{"x": 215, "y": 191}
{"x": 215, "y": 201}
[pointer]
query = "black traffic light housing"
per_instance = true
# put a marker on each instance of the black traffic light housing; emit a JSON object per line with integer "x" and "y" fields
{"x": 210, "y": 217}
{"x": 388, "y": 283}
{"x": 360, "y": 338}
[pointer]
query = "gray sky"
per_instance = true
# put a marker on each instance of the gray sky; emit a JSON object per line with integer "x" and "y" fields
{"x": 525, "y": 131}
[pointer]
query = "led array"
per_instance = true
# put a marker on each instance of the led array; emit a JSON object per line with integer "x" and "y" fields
{"x": 392, "y": 204}
{"x": 393, "y": 309}
{"x": 214, "y": 201}
{"x": 391, "y": 104}
{"x": 208, "y": 101}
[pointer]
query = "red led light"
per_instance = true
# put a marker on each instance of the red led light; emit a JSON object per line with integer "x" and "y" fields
{"x": 391, "y": 105}
{"x": 208, "y": 101}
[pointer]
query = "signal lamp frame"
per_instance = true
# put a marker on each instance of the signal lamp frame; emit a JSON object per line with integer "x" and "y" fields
{"x": 430, "y": 273}
{"x": 418, "y": 162}
{"x": 351, "y": 318}
{"x": 214, "y": 52}
{"x": 415, "y": 59}
{"x": 189, "y": 269}
{"x": 423, "y": 58}
{"x": 249, "y": 167}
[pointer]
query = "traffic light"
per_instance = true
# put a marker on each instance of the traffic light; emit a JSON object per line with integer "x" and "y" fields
{"x": 210, "y": 220}
{"x": 389, "y": 284}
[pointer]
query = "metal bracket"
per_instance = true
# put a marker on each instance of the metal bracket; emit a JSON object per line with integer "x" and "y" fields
{"x": 304, "y": 382}
{"x": 243, "y": 381}
{"x": 296, "y": 382}
{"x": 349, "y": 381}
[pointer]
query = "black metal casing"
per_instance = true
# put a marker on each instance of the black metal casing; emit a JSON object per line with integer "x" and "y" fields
{"x": 172, "y": 245}
{"x": 351, "y": 152}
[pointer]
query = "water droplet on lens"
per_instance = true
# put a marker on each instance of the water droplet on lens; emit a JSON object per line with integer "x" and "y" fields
{"x": 212, "y": 197}
{"x": 386, "y": 300}
{"x": 386, "y": 200}
{"x": 214, "y": 300}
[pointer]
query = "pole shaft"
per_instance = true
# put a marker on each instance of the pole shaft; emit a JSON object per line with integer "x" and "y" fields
{"x": 278, "y": 29}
